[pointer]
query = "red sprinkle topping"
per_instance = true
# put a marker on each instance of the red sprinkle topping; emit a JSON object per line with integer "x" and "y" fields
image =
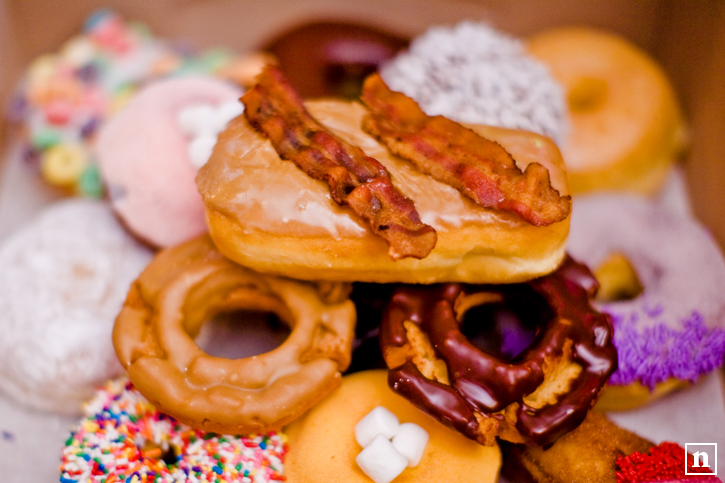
{"x": 665, "y": 462}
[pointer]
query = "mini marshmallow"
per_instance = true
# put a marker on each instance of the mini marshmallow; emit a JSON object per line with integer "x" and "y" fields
{"x": 226, "y": 112}
{"x": 410, "y": 441}
{"x": 200, "y": 149}
{"x": 196, "y": 119}
{"x": 380, "y": 460}
{"x": 378, "y": 421}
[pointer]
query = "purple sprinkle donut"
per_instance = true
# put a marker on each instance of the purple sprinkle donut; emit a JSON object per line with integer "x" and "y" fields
{"x": 676, "y": 327}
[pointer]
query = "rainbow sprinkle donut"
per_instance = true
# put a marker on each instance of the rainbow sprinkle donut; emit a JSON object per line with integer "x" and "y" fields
{"x": 124, "y": 438}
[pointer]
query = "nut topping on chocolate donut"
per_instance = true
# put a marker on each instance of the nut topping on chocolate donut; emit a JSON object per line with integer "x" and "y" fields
{"x": 545, "y": 392}
{"x": 457, "y": 156}
{"x": 357, "y": 180}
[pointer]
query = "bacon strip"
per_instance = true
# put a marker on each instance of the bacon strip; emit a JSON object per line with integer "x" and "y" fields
{"x": 356, "y": 180}
{"x": 455, "y": 155}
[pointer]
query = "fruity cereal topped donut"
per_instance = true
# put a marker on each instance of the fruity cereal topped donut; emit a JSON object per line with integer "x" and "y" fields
{"x": 185, "y": 286}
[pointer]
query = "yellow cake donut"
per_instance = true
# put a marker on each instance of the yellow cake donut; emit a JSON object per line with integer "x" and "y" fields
{"x": 626, "y": 125}
{"x": 265, "y": 213}
{"x": 322, "y": 445}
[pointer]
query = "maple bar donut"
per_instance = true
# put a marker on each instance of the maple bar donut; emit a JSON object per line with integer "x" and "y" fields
{"x": 266, "y": 213}
{"x": 149, "y": 153}
{"x": 626, "y": 124}
{"x": 323, "y": 447}
{"x": 180, "y": 290}
{"x": 671, "y": 331}
{"x": 548, "y": 389}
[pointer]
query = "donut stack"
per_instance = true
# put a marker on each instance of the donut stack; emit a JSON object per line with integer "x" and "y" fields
{"x": 290, "y": 223}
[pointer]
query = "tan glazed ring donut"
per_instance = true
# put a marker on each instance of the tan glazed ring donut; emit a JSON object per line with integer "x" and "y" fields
{"x": 185, "y": 286}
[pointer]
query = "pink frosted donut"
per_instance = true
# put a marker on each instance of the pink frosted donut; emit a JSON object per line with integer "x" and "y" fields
{"x": 675, "y": 329}
{"x": 145, "y": 156}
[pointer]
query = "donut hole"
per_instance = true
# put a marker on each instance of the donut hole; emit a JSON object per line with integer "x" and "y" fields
{"x": 587, "y": 95}
{"x": 239, "y": 334}
{"x": 618, "y": 280}
{"x": 166, "y": 453}
{"x": 369, "y": 300}
{"x": 346, "y": 80}
{"x": 505, "y": 329}
{"x": 170, "y": 456}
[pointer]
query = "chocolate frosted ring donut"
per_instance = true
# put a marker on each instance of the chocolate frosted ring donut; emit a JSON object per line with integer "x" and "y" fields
{"x": 185, "y": 286}
{"x": 545, "y": 392}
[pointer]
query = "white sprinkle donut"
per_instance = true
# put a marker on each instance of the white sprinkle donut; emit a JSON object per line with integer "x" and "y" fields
{"x": 675, "y": 329}
{"x": 63, "y": 280}
{"x": 472, "y": 73}
{"x": 124, "y": 438}
{"x": 146, "y": 155}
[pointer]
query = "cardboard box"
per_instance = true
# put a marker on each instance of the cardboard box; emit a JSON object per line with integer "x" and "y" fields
{"x": 686, "y": 37}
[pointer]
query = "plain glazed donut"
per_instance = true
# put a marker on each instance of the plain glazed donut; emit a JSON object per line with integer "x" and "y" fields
{"x": 674, "y": 331}
{"x": 123, "y": 437}
{"x": 63, "y": 279}
{"x": 144, "y": 159}
{"x": 322, "y": 444}
{"x": 265, "y": 213}
{"x": 626, "y": 125}
{"x": 544, "y": 394}
{"x": 178, "y": 292}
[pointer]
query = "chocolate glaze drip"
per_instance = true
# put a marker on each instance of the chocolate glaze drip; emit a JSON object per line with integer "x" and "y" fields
{"x": 483, "y": 383}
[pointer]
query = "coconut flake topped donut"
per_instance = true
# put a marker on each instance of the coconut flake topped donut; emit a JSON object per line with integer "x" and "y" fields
{"x": 63, "y": 279}
{"x": 472, "y": 73}
{"x": 149, "y": 154}
{"x": 676, "y": 327}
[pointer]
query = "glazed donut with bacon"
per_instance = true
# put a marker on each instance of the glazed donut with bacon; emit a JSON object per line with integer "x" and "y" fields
{"x": 304, "y": 191}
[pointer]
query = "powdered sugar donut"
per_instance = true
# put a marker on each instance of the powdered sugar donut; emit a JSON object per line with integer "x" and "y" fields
{"x": 675, "y": 329}
{"x": 472, "y": 73}
{"x": 149, "y": 154}
{"x": 123, "y": 437}
{"x": 63, "y": 280}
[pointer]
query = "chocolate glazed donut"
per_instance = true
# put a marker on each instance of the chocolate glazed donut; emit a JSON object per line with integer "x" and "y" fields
{"x": 332, "y": 58}
{"x": 482, "y": 396}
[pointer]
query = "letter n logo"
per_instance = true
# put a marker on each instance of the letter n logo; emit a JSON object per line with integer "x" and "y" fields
{"x": 704, "y": 455}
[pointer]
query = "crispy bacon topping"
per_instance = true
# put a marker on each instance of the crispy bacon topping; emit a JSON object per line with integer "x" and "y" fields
{"x": 356, "y": 180}
{"x": 455, "y": 155}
